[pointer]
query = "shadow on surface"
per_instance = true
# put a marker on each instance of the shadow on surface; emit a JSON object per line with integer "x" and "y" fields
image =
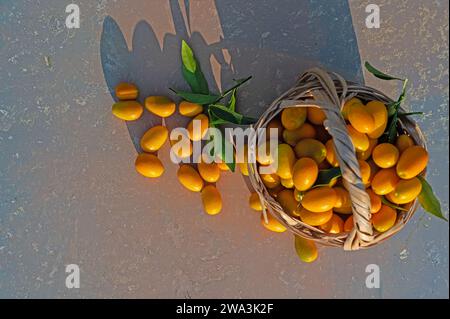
{"x": 271, "y": 42}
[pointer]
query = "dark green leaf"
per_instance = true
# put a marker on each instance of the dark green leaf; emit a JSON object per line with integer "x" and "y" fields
{"x": 223, "y": 113}
{"x": 379, "y": 74}
{"x": 196, "y": 81}
{"x": 388, "y": 203}
{"x": 327, "y": 175}
{"x": 197, "y": 98}
{"x": 429, "y": 201}
{"x": 246, "y": 120}
{"x": 214, "y": 120}
{"x": 392, "y": 129}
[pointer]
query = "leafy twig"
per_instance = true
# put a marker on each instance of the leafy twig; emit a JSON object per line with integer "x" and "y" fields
{"x": 427, "y": 198}
{"x": 218, "y": 114}
{"x": 391, "y": 130}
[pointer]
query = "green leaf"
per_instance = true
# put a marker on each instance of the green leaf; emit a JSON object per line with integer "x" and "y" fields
{"x": 196, "y": 97}
{"x": 391, "y": 132}
{"x": 247, "y": 120}
{"x": 196, "y": 81}
{"x": 223, "y": 113}
{"x": 326, "y": 176}
{"x": 379, "y": 74}
{"x": 191, "y": 70}
{"x": 388, "y": 203}
{"x": 429, "y": 201}
{"x": 214, "y": 120}
{"x": 187, "y": 56}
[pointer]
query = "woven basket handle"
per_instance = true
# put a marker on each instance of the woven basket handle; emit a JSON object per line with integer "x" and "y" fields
{"x": 331, "y": 103}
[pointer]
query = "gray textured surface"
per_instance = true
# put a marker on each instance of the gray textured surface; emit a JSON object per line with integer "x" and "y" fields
{"x": 68, "y": 189}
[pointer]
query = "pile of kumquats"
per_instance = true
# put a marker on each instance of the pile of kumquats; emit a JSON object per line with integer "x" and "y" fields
{"x": 389, "y": 171}
{"x": 390, "y": 168}
{"x": 148, "y": 164}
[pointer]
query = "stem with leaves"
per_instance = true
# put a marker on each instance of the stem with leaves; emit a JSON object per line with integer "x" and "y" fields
{"x": 427, "y": 198}
{"x": 217, "y": 112}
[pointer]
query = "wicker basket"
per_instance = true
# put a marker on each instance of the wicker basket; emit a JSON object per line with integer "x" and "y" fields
{"x": 329, "y": 91}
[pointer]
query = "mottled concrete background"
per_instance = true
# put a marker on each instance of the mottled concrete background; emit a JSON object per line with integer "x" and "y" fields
{"x": 68, "y": 189}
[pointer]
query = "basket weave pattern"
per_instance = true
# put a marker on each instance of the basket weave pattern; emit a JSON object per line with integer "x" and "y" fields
{"x": 329, "y": 91}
